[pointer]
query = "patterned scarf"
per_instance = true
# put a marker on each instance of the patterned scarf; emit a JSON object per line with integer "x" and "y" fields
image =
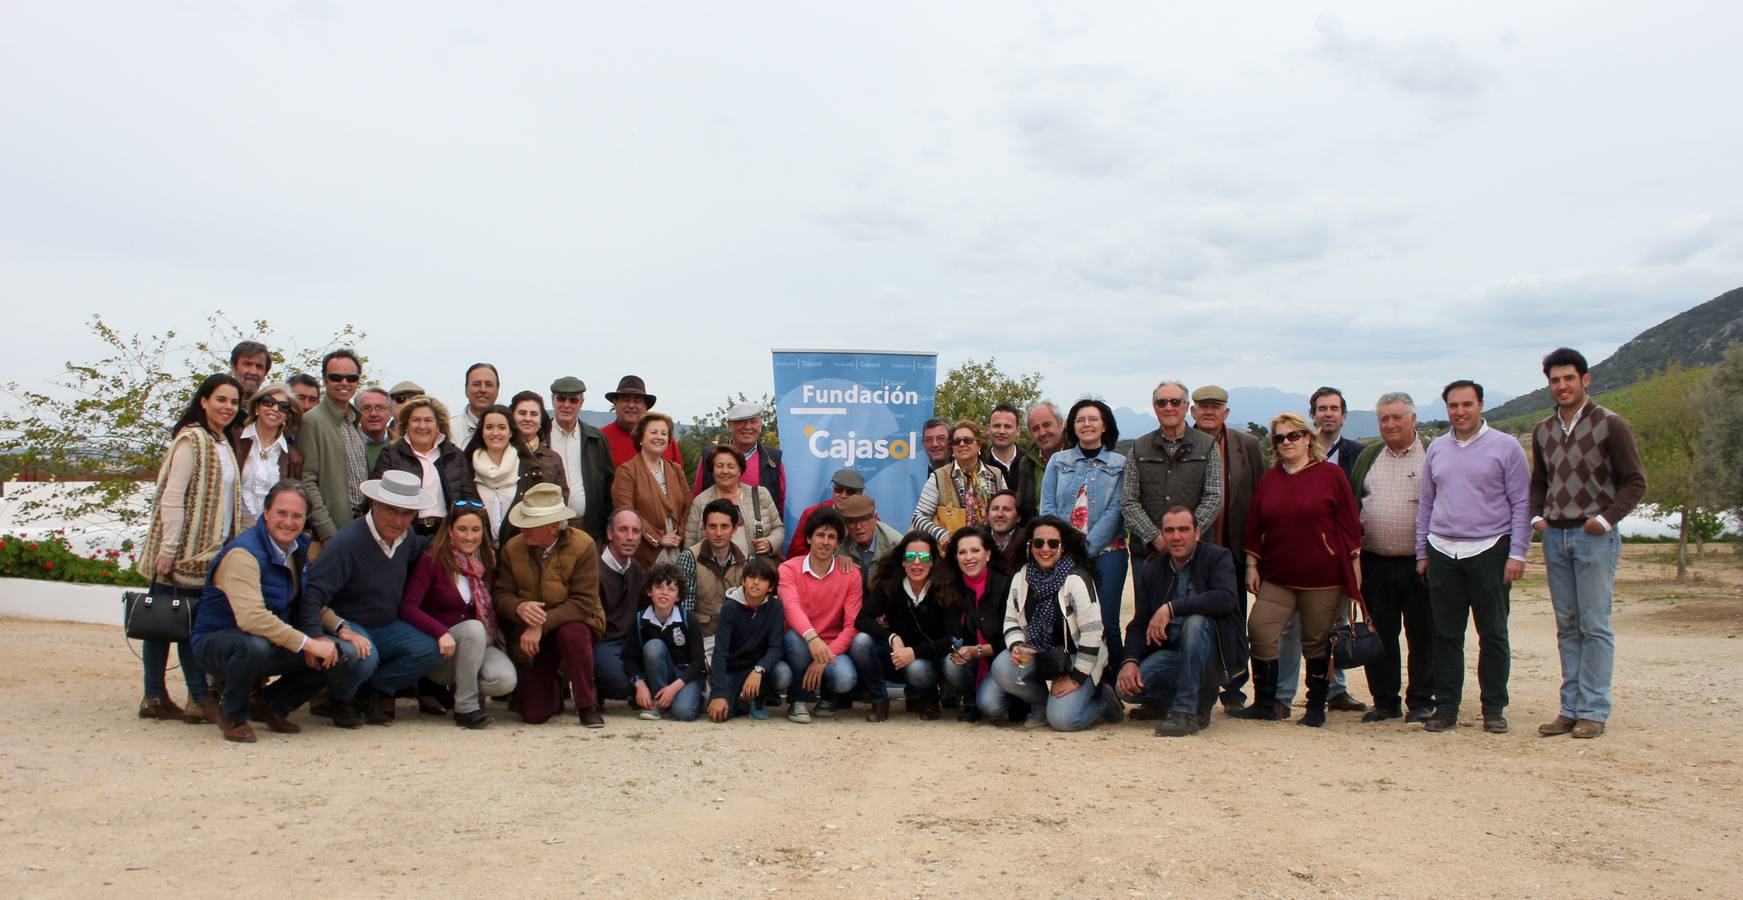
{"x": 473, "y": 569}
{"x": 974, "y": 498}
{"x": 1044, "y": 597}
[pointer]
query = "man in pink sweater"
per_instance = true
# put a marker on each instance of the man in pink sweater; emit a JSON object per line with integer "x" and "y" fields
{"x": 821, "y": 597}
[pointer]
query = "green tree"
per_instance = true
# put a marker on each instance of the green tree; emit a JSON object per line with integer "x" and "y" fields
{"x": 1667, "y": 428}
{"x": 1720, "y": 451}
{"x": 972, "y": 389}
{"x": 710, "y": 428}
{"x": 108, "y": 422}
{"x": 1264, "y": 435}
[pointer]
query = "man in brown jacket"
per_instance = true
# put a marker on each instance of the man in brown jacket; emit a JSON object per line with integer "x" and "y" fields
{"x": 547, "y": 599}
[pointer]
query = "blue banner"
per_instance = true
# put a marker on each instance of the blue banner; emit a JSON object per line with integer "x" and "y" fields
{"x": 845, "y": 409}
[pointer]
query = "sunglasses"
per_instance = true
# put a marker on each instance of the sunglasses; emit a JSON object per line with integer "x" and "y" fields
{"x": 962, "y": 442}
{"x": 1278, "y": 440}
{"x": 566, "y": 398}
{"x": 283, "y": 406}
{"x": 1049, "y": 543}
{"x": 909, "y": 558}
{"x": 464, "y": 504}
{"x": 1170, "y": 401}
{"x": 348, "y": 379}
{"x": 401, "y": 398}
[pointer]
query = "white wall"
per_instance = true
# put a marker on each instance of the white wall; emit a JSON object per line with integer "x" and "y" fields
{"x": 33, "y": 599}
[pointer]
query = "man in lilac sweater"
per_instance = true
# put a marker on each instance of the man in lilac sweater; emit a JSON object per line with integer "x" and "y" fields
{"x": 1473, "y": 526}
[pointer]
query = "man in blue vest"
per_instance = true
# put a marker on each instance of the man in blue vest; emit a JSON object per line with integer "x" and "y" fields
{"x": 242, "y": 632}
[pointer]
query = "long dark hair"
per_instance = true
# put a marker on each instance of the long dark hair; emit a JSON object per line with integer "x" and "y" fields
{"x": 544, "y": 414}
{"x": 442, "y": 549}
{"x": 194, "y": 414}
{"x": 1071, "y": 545}
{"x": 955, "y": 589}
{"x": 514, "y": 440}
{"x": 890, "y": 567}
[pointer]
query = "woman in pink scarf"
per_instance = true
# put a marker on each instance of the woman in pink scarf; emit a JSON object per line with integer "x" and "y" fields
{"x": 447, "y": 596}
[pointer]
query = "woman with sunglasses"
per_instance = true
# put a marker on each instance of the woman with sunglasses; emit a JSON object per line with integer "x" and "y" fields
{"x": 958, "y": 494}
{"x": 1083, "y": 484}
{"x": 266, "y": 447}
{"x": 905, "y": 627}
{"x": 422, "y": 447}
{"x": 1303, "y": 538}
{"x": 1054, "y": 653}
{"x": 448, "y": 597}
{"x": 196, "y": 511}
{"x": 978, "y": 631}
{"x": 503, "y": 467}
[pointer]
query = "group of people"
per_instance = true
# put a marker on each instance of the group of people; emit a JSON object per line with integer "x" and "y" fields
{"x": 348, "y": 545}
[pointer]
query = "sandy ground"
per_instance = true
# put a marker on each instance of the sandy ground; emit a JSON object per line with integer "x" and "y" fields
{"x": 99, "y": 802}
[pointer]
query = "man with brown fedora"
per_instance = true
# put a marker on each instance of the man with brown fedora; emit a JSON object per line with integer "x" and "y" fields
{"x": 628, "y": 403}
{"x": 547, "y": 600}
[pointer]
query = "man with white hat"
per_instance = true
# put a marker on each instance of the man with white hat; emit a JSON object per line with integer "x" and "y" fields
{"x": 762, "y": 464}
{"x": 547, "y": 600}
{"x": 354, "y": 591}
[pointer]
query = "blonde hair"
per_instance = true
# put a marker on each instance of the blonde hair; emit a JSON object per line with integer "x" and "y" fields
{"x": 403, "y": 416}
{"x": 1287, "y": 422}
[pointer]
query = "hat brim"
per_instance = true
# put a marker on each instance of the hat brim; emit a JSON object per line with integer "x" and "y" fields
{"x": 372, "y": 490}
{"x": 611, "y": 397}
{"x": 520, "y": 518}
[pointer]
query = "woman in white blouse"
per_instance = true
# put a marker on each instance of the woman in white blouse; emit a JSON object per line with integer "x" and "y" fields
{"x": 266, "y": 449}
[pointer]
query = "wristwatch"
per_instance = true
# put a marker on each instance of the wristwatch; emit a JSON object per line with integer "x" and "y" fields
{"x": 758, "y": 669}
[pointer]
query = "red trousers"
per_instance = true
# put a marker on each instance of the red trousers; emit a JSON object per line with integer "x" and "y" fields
{"x": 569, "y": 650}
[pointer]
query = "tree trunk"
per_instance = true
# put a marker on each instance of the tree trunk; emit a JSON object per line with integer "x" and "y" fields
{"x": 1682, "y": 545}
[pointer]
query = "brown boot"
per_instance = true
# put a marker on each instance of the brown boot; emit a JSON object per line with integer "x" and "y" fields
{"x": 199, "y": 712}
{"x": 162, "y": 708}
{"x": 241, "y": 732}
{"x": 262, "y": 711}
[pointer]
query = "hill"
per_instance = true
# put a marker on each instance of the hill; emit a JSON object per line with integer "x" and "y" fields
{"x": 1261, "y": 404}
{"x": 1695, "y": 338}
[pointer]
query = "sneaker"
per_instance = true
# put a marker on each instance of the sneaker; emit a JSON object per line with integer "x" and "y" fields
{"x": 825, "y": 709}
{"x": 649, "y": 715}
{"x": 1178, "y": 724}
{"x": 799, "y": 712}
{"x": 758, "y": 710}
{"x": 1036, "y": 719}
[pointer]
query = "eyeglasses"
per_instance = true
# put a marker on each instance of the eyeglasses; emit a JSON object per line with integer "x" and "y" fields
{"x": 1170, "y": 401}
{"x": 909, "y": 558}
{"x": 348, "y": 379}
{"x": 1049, "y": 543}
{"x": 962, "y": 442}
{"x": 1278, "y": 440}
{"x": 464, "y": 504}
{"x": 566, "y": 398}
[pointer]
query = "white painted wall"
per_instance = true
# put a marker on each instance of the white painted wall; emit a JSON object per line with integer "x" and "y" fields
{"x": 33, "y": 599}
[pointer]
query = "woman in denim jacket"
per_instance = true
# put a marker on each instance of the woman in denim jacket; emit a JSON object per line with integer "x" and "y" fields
{"x": 1082, "y": 486}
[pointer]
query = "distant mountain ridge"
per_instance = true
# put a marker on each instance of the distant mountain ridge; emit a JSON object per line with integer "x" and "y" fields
{"x": 1693, "y": 338}
{"x": 1262, "y": 404}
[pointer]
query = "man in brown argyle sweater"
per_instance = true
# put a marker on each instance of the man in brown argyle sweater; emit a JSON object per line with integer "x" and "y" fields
{"x": 1585, "y": 476}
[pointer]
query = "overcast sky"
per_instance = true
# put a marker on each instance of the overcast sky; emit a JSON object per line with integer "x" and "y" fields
{"x": 1376, "y": 196}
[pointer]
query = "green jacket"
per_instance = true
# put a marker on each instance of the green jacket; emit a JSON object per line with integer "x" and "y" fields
{"x": 1365, "y": 462}
{"x": 325, "y": 473}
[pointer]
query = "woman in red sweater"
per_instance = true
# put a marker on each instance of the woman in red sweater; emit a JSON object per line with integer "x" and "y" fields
{"x": 447, "y": 596}
{"x": 1303, "y": 537}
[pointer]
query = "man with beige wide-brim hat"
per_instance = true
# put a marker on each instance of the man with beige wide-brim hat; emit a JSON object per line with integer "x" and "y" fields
{"x": 547, "y": 600}
{"x": 354, "y": 594}
{"x": 628, "y": 403}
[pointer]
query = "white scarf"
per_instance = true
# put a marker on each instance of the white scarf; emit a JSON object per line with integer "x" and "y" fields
{"x": 496, "y": 483}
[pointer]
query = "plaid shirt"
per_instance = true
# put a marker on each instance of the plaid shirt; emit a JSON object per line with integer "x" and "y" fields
{"x": 356, "y": 461}
{"x": 1389, "y": 501}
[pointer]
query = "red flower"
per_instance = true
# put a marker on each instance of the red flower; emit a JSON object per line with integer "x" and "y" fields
{"x": 105, "y": 573}
{"x": 31, "y": 547}
{"x": 48, "y": 565}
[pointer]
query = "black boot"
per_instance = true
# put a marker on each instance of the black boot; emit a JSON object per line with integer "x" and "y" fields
{"x": 1318, "y": 685}
{"x": 1264, "y": 692}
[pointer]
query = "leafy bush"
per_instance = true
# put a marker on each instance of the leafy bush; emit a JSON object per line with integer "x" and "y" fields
{"x": 50, "y": 559}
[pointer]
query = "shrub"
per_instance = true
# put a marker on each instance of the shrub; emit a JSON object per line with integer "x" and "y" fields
{"x": 50, "y": 559}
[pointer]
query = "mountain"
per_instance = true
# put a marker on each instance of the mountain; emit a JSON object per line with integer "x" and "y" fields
{"x": 1694, "y": 338}
{"x": 1261, "y": 404}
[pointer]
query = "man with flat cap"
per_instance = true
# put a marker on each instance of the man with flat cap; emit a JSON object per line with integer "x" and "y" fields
{"x": 404, "y": 391}
{"x": 586, "y": 457}
{"x": 1243, "y": 462}
{"x": 869, "y": 539}
{"x": 762, "y": 464}
{"x": 353, "y": 593}
{"x": 628, "y": 403}
{"x": 843, "y": 484}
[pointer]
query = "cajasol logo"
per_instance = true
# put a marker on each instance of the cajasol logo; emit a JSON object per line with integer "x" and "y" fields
{"x": 852, "y": 448}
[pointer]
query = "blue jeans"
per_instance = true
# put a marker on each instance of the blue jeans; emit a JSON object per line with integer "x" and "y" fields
{"x": 1175, "y": 672}
{"x": 403, "y": 654}
{"x": 839, "y": 678}
{"x": 156, "y": 656}
{"x": 1073, "y": 712}
{"x": 241, "y": 659}
{"x": 1289, "y": 665}
{"x": 610, "y": 681}
{"x": 1110, "y": 578}
{"x": 780, "y": 677}
{"x": 659, "y": 670}
{"x": 919, "y": 679}
{"x": 1582, "y": 574}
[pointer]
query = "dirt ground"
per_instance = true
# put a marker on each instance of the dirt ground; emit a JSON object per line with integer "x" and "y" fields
{"x": 97, "y": 801}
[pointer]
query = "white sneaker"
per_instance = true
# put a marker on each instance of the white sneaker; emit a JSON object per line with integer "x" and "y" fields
{"x": 799, "y": 712}
{"x": 651, "y": 715}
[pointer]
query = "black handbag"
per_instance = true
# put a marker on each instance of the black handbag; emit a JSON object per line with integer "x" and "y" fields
{"x": 158, "y": 614}
{"x": 1354, "y": 644}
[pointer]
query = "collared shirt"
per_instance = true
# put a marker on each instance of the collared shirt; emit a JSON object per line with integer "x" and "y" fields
{"x": 806, "y": 567}
{"x": 260, "y": 470}
{"x": 1567, "y": 426}
{"x": 611, "y": 560}
{"x": 1182, "y": 576}
{"x": 1006, "y": 464}
{"x": 356, "y": 458}
{"x": 1331, "y": 444}
{"x": 386, "y": 547}
{"x": 1463, "y": 549}
{"x": 675, "y": 614}
{"x": 568, "y": 447}
{"x": 914, "y": 599}
{"x": 465, "y": 426}
{"x": 1390, "y": 498}
{"x": 432, "y": 482}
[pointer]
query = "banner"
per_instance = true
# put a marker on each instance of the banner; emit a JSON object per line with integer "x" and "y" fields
{"x": 846, "y": 409}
